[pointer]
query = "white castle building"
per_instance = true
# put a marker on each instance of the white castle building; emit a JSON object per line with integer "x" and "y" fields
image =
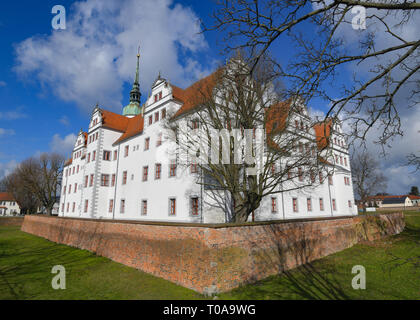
{"x": 116, "y": 169}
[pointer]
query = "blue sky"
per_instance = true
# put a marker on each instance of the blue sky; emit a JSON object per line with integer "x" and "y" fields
{"x": 51, "y": 79}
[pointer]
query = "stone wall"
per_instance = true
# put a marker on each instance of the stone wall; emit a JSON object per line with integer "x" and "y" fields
{"x": 11, "y": 221}
{"x": 209, "y": 258}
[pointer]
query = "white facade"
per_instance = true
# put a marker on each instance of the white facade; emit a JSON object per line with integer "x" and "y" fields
{"x": 106, "y": 175}
{"x": 8, "y": 205}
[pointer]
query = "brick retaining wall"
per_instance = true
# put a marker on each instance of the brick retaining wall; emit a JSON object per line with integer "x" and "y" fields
{"x": 214, "y": 259}
{"x": 11, "y": 221}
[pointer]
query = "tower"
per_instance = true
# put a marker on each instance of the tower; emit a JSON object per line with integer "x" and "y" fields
{"x": 133, "y": 108}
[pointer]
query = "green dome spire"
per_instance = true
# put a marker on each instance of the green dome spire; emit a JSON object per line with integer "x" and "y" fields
{"x": 133, "y": 108}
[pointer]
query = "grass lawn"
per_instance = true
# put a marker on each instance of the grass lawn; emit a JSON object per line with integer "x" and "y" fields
{"x": 392, "y": 272}
{"x": 25, "y": 273}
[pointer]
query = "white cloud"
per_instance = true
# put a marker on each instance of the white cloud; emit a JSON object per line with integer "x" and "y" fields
{"x": 64, "y": 120}
{"x": 7, "y": 168}
{"x": 6, "y": 132}
{"x": 64, "y": 145}
{"x": 89, "y": 61}
{"x": 12, "y": 115}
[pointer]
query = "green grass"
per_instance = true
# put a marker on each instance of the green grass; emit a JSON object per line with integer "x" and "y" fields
{"x": 392, "y": 272}
{"x": 25, "y": 273}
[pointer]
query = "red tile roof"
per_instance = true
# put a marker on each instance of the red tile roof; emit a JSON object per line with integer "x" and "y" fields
{"x": 114, "y": 121}
{"x": 6, "y": 196}
{"x": 134, "y": 127}
{"x": 196, "y": 94}
{"x": 323, "y": 133}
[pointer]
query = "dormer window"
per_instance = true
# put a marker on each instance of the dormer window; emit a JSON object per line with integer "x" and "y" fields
{"x": 158, "y": 96}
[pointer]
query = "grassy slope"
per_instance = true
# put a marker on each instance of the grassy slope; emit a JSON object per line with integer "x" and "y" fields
{"x": 25, "y": 273}
{"x": 392, "y": 272}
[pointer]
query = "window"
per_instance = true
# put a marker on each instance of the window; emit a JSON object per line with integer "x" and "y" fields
{"x": 341, "y": 160}
{"x": 334, "y": 205}
{"x": 297, "y": 124}
{"x": 88, "y": 157}
{"x": 156, "y": 116}
{"x": 273, "y": 169}
{"x": 172, "y": 206}
{"x": 107, "y": 155}
{"x": 320, "y": 177}
{"x": 93, "y": 157}
{"x": 194, "y": 206}
{"x": 347, "y": 181}
{"x": 86, "y": 205}
{"x": 68, "y": 206}
{"x": 75, "y": 187}
{"x": 336, "y": 159}
{"x": 105, "y": 180}
{"x": 194, "y": 124}
{"x": 194, "y": 167}
{"x": 62, "y": 207}
{"x": 158, "y": 169}
{"x": 295, "y": 205}
{"x": 300, "y": 174}
{"x": 160, "y": 95}
{"x": 300, "y": 147}
{"x": 349, "y": 204}
{"x": 144, "y": 207}
{"x": 91, "y": 180}
{"x": 124, "y": 179}
{"x": 159, "y": 140}
{"x": 309, "y": 204}
{"x": 75, "y": 168}
{"x": 145, "y": 172}
{"x": 273, "y": 204}
{"x": 146, "y": 143}
{"x": 321, "y": 204}
{"x": 122, "y": 206}
{"x": 73, "y": 207}
{"x": 312, "y": 177}
{"x": 86, "y": 181}
{"x": 330, "y": 180}
{"x": 64, "y": 190}
{"x": 115, "y": 155}
{"x": 126, "y": 148}
{"x": 150, "y": 120}
{"x": 111, "y": 205}
{"x": 345, "y": 161}
{"x": 69, "y": 189}
{"x": 163, "y": 114}
{"x": 113, "y": 180}
{"x": 172, "y": 169}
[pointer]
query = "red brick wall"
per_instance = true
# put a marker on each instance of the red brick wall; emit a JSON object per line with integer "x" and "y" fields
{"x": 209, "y": 259}
{"x": 11, "y": 221}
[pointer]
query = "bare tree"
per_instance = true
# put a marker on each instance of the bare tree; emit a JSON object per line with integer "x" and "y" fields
{"x": 246, "y": 141}
{"x": 367, "y": 177}
{"x": 41, "y": 177}
{"x": 390, "y": 72}
{"x": 27, "y": 200}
